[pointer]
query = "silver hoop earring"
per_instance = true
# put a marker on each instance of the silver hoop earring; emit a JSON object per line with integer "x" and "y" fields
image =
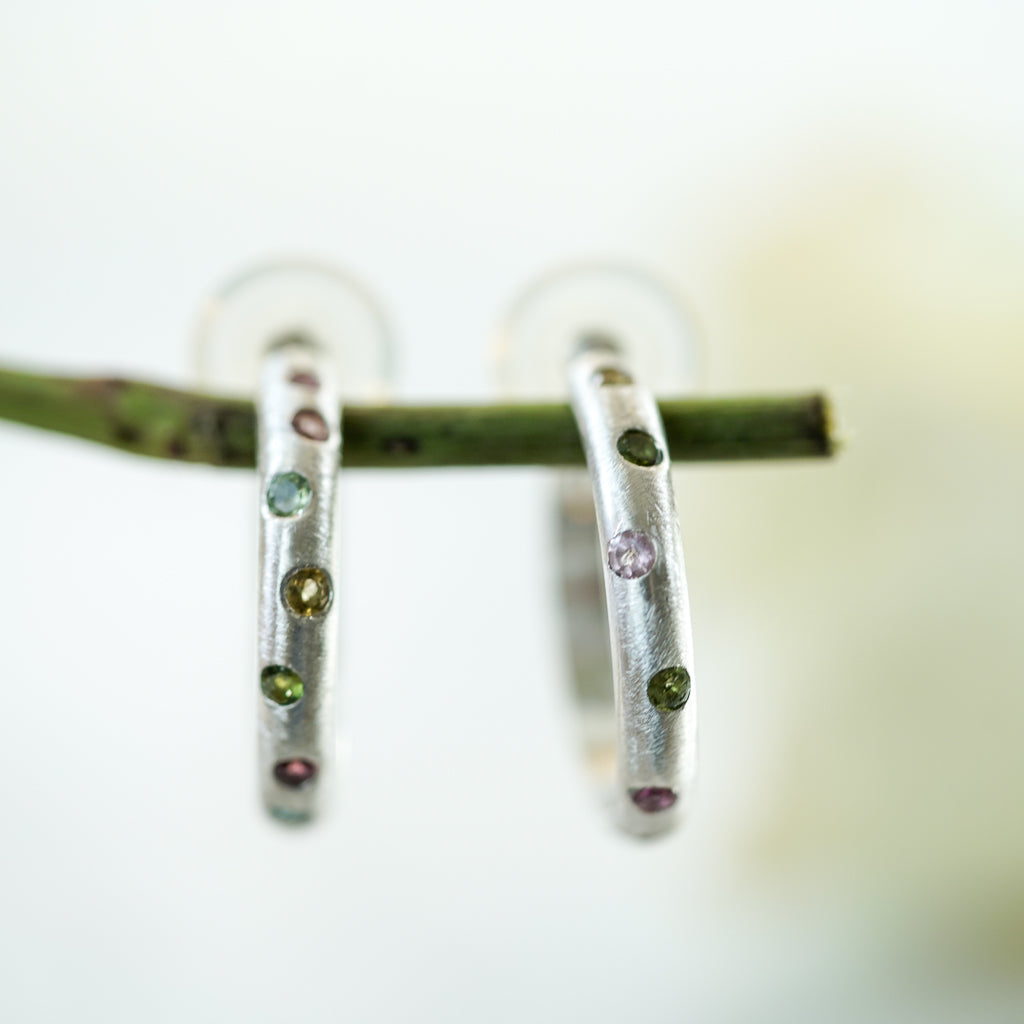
{"x": 308, "y": 337}
{"x": 299, "y": 457}
{"x": 628, "y": 612}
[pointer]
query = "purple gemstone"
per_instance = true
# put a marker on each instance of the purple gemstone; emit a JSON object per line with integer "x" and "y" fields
{"x": 653, "y": 798}
{"x": 305, "y": 380}
{"x": 295, "y": 772}
{"x": 309, "y": 423}
{"x": 631, "y": 554}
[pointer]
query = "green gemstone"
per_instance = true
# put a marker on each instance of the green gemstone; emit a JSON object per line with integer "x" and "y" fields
{"x": 610, "y": 375}
{"x": 669, "y": 689}
{"x": 288, "y": 494}
{"x": 281, "y": 685}
{"x": 638, "y": 447}
{"x": 307, "y": 591}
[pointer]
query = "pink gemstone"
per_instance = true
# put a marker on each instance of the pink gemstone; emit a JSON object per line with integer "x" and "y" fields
{"x": 309, "y": 423}
{"x": 295, "y": 772}
{"x": 305, "y": 380}
{"x": 653, "y": 798}
{"x": 631, "y": 554}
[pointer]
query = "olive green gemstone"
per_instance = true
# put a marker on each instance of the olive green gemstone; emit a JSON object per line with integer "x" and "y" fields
{"x": 638, "y": 447}
{"x": 669, "y": 689}
{"x": 281, "y": 685}
{"x": 307, "y": 591}
{"x": 610, "y": 375}
{"x": 288, "y": 494}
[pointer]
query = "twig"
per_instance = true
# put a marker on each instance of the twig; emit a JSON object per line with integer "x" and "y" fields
{"x": 160, "y": 422}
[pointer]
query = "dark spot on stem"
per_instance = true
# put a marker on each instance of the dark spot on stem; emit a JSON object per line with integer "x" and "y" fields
{"x": 234, "y": 435}
{"x": 222, "y": 434}
{"x": 401, "y": 445}
{"x": 125, "y": 433}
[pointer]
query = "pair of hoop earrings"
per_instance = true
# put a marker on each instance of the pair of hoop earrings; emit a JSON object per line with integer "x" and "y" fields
{"x": 310, "y": 339}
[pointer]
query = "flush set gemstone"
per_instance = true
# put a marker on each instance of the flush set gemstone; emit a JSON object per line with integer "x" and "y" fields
{"x": 638, "y": 447}
{"x": 288, "y": 494}
{"x": 653, "y": 798}
{"x": 608, "y": 375}
{"x": 294, "y": 772}
{"x": 631, "y": 554}
{"x": 669, "y": 689}
{"x": 310, "y": 424}
{"x": 307, "y": 591}
{"x": 281, "y": 685}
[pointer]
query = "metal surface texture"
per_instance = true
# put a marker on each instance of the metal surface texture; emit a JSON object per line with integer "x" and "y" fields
{"x": 645, "y": 750}
{"x": 297, "y": 378}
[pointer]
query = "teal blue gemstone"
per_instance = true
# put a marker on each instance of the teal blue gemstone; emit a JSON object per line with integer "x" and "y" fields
{"x": 288, "y": 494}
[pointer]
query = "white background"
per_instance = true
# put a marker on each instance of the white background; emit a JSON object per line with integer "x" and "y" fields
{"x": 837, "y": 188}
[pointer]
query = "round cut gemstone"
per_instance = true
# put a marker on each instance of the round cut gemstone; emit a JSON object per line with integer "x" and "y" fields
{"x": 669, "y": 689}
{"x": 294, "y": 772}
{"x": 611, "y": 375}
{"x": 307, "y": 591}
{"x": 309, "y": 423}
{"x": 631, "y": 554}
{"x": 638, "y": 447}
{"x": 653, "y": 798}
{"x": 288, "y": 494}
{"x": 281, "y": 684}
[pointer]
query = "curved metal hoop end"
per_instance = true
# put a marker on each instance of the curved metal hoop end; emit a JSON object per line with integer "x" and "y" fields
{"x": 588, "y": 330}
{"x": 644, "y": 583}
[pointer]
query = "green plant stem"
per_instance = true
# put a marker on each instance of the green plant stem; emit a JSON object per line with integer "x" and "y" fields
{"x": 146, "y": 419}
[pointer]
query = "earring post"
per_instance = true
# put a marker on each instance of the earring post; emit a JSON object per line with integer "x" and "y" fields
{"x": 183, "y": 426}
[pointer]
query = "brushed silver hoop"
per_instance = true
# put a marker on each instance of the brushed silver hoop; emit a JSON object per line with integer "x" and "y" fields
{"x": 644, "y": 583}
{"x": 583, "y": 330}
{"x": 298, "y": 413}
{"x": 302, "y": 336}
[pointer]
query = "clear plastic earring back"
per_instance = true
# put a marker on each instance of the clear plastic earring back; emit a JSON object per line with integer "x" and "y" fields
{"x": 300, "y": 298}
{"x": 641, "y": 317}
